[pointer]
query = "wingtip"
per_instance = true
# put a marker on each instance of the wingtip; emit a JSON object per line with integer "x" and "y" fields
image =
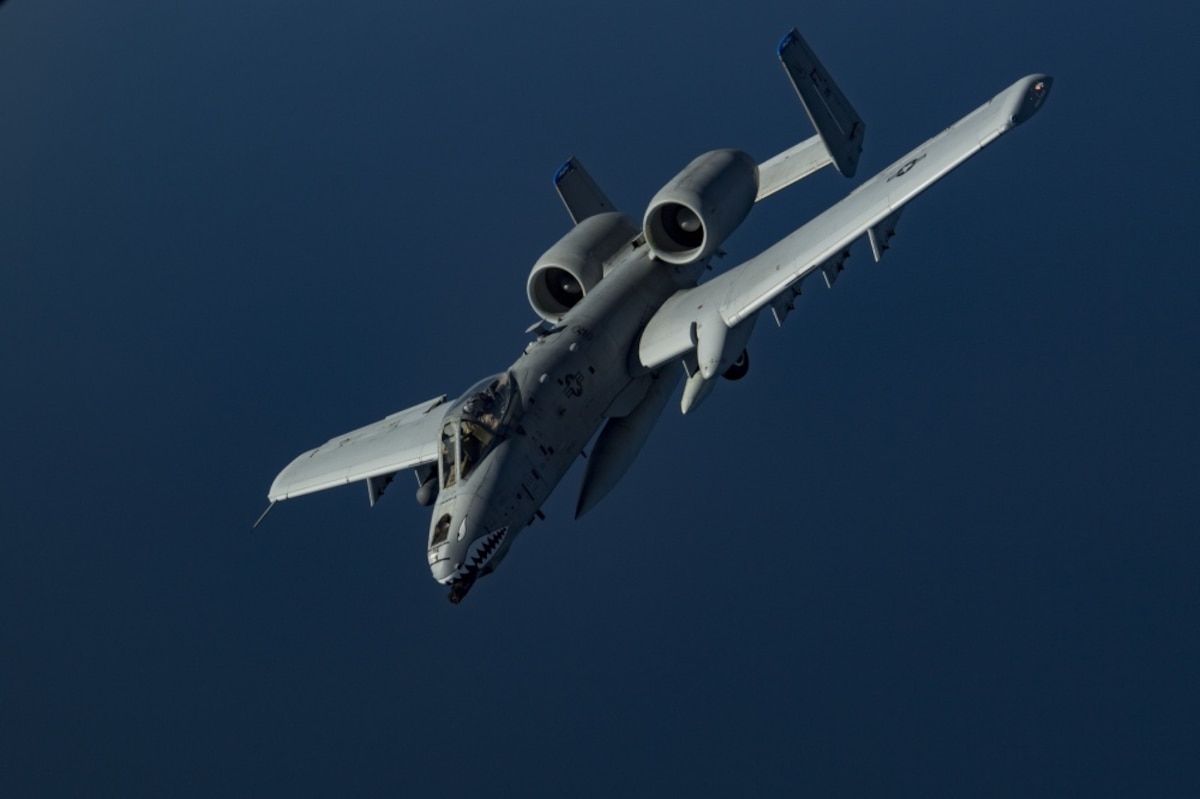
{"x": 1027, "y": 96}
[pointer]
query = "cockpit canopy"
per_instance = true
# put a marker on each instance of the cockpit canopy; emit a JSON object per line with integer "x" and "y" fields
{"x": 474, "y": 426}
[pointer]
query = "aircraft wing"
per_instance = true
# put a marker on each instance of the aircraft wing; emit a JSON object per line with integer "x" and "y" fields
{"x": 870, "y": 210}
{"x": 405, "y": 440}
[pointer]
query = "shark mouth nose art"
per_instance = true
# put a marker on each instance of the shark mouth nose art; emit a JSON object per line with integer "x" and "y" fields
{"x": 481, "y": 551}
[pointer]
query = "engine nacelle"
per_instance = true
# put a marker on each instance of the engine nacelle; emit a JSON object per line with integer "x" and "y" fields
{"x": 576, "y": 263}
{"x": 690, "y": 216}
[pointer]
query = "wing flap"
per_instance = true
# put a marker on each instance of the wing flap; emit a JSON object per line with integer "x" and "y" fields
{"x": 403, "y": 440}
{"x": 747, "y": 288}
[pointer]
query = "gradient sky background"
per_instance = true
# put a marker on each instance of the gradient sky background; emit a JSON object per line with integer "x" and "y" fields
{"x": 941, "y": 541}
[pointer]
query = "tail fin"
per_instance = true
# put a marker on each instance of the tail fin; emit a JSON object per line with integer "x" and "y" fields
{"x": 839, "y": 128}
{"x": 579, "y": 192}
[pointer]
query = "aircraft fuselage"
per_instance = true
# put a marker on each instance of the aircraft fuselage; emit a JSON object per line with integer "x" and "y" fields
{"x": 568, "y": 382}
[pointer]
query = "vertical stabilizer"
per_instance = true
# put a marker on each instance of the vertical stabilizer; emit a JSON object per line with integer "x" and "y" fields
{"x": 839, "y": 125}
{"x": 579, "y": 192}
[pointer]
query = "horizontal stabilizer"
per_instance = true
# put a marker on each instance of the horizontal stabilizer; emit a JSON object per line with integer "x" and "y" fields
{"x": 791, "y": 165}
{"x": 579, "y": 192}
{"x": 838, "y": 124}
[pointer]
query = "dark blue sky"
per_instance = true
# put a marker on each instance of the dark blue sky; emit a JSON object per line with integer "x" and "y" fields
{"x": 941, "y": 541}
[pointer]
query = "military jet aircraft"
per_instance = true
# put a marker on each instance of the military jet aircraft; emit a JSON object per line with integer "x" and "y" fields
{"x": 623, "y": 316}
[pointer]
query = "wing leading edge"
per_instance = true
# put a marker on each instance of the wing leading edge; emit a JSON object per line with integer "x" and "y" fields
{"x": 405, "y": 440}
{"x": 870, "y": 210}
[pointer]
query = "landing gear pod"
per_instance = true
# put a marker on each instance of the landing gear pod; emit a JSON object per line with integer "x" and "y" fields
{"x": 738, "y": 369}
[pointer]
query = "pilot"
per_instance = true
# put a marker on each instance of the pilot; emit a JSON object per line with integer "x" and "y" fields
{"x": 470, "y": 446}
{"x": 485, "y": 410}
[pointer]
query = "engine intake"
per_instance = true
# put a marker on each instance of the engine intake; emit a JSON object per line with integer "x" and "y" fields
{"x": 575, "y": 264}
{"x": 697, "y": 210}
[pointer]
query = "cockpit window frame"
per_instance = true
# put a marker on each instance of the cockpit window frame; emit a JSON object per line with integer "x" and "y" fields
{"x": 481, "y": 415}
{"x": 449, "y": 450}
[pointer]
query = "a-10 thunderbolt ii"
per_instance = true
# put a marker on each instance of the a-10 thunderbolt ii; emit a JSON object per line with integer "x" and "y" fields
{"x": 623, "y": 316}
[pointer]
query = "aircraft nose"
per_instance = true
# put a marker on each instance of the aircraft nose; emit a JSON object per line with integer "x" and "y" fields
{"x": 443, "y": 570}
{"x": 452, "y": 573}
{"x": 456, "y": 565}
